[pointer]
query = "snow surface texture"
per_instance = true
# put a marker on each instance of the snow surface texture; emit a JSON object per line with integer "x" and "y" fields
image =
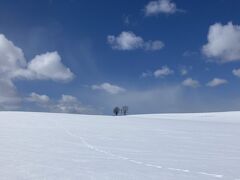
{"x": 139, "y": 147}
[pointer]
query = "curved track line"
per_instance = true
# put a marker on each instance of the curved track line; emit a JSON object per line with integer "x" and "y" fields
{"x": 217, "y": 176}
{"x": 209, "y": 174}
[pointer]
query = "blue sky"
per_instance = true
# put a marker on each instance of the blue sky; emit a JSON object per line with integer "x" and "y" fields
{"x": 89, "y": 56}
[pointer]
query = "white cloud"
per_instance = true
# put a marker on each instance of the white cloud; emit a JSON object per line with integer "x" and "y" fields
{"x": 13, "y": 65}
{"x": 46, "y": 66}
{"x": 223, "y": 42}
{"x": 37, "y": 98}
{"x": 130, "y": 41}
{"x": 164, "y": 71}
{"x": 9, "y": 98}
{"x": 68, "y": 99}
{"x": 236, "y": 72}
{"x": 70, "y": 104}
{"x": 125, "y": 41}
{"x": 216, "y": 82}
{"x": 191, "y": 83}
{"x": 66, "y": 104}
{"x": 49, "y": 66}
{"x": 159, "y": 73}
{"x": 160, "y": 6}
{"x": 11, "y": 58}
{"x": 109, "y": 88}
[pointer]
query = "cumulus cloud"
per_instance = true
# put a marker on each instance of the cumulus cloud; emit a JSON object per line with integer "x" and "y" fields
{"x": 37, "y": 98}
{"x": 162, "y": 72}
{"x": 129, "y": 41}
{"x": 189, "y": 82}
{"x": 236, "y": 72}
{"x": 223, "y": 42}
{"x": 48, "y": 66}
{"x": 9, "y": 98}
{"x": 125, "y": 41}
{"x": 216, "y": 82}
{"x": 13, "y": 65}
{"x": 11, "y": 58}
{"x": 66, "y": 104}
{"x": 109, "y": 88}
{"x": 160, "y": 6}
{"x": 70, "y": 104}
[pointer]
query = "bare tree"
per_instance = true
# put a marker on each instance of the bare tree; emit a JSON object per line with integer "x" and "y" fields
{"x": 125, "y": 110}
{"x": 116, "y": 110}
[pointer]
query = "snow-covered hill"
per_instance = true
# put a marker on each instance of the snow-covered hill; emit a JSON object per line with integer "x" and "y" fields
{"x": 139, "y": 147}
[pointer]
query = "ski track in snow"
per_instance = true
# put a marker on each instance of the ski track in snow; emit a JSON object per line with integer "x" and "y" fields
{"x": 82, "y": 140}
{"x": 96, "y": 149}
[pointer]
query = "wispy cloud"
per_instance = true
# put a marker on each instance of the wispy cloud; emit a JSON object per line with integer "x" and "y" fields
{"x": 109, "y": 88}
{"x": 216, "y": 82}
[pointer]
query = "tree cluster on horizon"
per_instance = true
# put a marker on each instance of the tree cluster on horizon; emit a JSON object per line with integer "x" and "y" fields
{"x": 120, "y": 111}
